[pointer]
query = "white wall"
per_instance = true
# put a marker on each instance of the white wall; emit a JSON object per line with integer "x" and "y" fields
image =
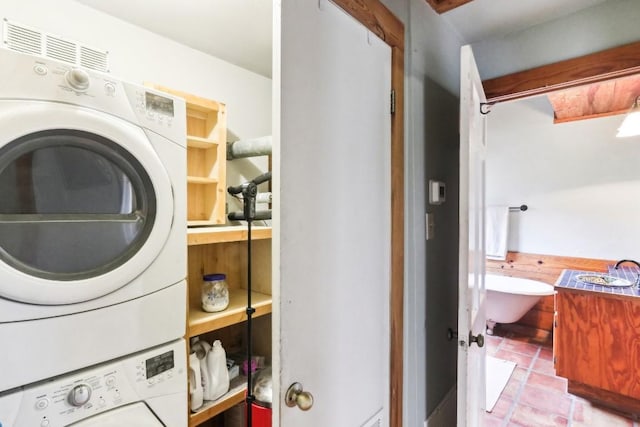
{"x": 431, "y": 152}
{"x": 582, "y": 185}
{"x": 140, "y": 56}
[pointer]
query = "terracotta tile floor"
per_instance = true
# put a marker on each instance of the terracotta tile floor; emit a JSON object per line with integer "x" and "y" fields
{"x": 534, "y": 396}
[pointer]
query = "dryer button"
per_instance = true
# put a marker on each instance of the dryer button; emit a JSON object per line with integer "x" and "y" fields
{"x": 44, "y": 423}
{"x": 42, "y": 403}
{"x": 109, "y": 89}
{"x": 40, "y": 69}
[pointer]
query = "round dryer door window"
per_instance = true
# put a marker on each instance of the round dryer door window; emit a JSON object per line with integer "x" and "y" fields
{"x": 75, "y": 205}
{"x": 85, "y": 204}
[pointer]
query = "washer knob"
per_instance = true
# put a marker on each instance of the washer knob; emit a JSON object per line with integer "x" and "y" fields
{"x": 78, "y": 79}
{"x": 79, "y": 395}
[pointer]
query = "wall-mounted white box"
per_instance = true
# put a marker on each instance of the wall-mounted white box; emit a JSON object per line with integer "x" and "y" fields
{"x": 437, "y": 192}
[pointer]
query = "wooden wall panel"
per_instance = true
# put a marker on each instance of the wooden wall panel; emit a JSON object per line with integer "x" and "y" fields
{"x": 547, "y": 269}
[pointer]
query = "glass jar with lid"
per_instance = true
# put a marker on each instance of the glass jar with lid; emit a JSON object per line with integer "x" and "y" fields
{"x": 215, "y": 292}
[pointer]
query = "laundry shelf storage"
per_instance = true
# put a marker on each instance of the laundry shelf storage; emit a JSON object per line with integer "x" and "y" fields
{"x": 213, "y": 247}
{"x": 210, "y": 409}
{"x": 223, "y": 249}
{"x": 206, "y": 158}
{"x": 201, "y": 322}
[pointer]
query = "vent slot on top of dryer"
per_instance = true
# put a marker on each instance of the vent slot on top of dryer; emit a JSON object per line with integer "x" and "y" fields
{"x": 35, "y": 42}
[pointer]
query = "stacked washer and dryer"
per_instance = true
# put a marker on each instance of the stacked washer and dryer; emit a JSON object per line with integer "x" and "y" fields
{"x": 92, "y": 249}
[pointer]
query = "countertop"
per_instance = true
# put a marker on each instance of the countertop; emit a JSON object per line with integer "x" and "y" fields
{"x": 567, "y": 280}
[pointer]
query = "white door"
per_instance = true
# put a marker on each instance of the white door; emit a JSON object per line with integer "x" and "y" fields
{"x": 471, "y": 304}
{"x": 332, "y": 225}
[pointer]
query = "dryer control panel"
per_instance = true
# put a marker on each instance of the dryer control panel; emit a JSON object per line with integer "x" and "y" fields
{"x": 32, "y": 77}
{"x": 67, "y": 399}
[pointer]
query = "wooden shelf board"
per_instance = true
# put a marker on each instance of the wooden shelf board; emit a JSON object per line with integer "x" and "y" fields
{"x": 210, "y": 409}
{"x": 201, "y": 223}
{"x": 198, "y": 142}
{"x": 201, "y": 180}
{"x": 201, "y": 322}
{"x": 206, "y": 235}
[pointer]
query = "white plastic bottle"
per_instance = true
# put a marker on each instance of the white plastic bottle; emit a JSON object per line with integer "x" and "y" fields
{"x": 217, "y": 367}
{"x": 195, "y": 382}
{"x": 202, "y": 348}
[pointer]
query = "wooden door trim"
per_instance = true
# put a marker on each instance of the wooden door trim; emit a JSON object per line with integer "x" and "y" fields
{"x": 379, "y": 20}
{"x": 596, "y": 67}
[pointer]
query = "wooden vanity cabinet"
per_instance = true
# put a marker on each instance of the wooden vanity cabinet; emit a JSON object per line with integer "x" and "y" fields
{"x": 597, "y": 347}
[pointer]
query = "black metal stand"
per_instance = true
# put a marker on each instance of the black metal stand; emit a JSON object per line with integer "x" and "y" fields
{"x": 249, "y": 192}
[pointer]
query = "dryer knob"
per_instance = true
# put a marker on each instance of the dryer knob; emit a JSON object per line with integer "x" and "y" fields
{"x": 78, "y": 79}
{"x": 79, "y": 395}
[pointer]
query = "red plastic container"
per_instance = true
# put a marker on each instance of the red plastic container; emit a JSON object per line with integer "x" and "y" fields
{"x": 260, "y": 416}
{"x": 261, "y": 406}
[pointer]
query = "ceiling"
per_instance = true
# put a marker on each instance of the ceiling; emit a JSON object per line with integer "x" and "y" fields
{"x": 477, "y": 20}
{"x": 240, "y": 32}
{"x": 595, "y": 100}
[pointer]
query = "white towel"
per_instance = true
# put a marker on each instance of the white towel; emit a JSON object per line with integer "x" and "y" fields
{"x": 496, "y": 232}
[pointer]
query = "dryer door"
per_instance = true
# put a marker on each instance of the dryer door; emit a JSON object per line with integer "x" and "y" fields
{"x": 136, "y": 414}
{"x": 86, "y": 204}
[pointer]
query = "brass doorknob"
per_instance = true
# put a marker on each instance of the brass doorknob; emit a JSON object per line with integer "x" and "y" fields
{"x": 478, "y": 339}
{"x": 297, "y": 396}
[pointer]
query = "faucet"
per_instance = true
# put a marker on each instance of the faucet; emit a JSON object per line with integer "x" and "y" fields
{"x": 633, "y": 262}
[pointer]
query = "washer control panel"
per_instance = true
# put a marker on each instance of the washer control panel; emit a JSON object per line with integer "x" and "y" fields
{"x": 68, "y": 399}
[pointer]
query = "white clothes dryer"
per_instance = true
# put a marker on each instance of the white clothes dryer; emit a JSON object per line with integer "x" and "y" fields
{"x": 148, "y": 389}
{"x": 92, "y": 218}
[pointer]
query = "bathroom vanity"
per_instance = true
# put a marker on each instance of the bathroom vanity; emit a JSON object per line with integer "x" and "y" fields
{"x": 597, "y": 340}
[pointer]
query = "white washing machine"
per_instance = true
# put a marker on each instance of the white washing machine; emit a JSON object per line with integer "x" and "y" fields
{"x": 148, "y": 389}
{"x": 92, "y": 218}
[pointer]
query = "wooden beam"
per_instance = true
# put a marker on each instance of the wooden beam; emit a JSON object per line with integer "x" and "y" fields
{"x": 608, "y": 64}
{"x": 442, "y": 6}
{"x": 379, "y": 20}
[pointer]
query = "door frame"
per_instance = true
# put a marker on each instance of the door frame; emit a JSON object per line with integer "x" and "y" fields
{"x": 379, "y": 20}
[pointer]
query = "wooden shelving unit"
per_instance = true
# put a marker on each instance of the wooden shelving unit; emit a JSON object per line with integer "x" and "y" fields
{"x": 223, "y": 249}
{"x": 215, "y": 248}
{"x": 206, "y": 158}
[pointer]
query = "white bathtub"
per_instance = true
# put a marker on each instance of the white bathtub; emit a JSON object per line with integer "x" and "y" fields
{"x": 509, "y": 298}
